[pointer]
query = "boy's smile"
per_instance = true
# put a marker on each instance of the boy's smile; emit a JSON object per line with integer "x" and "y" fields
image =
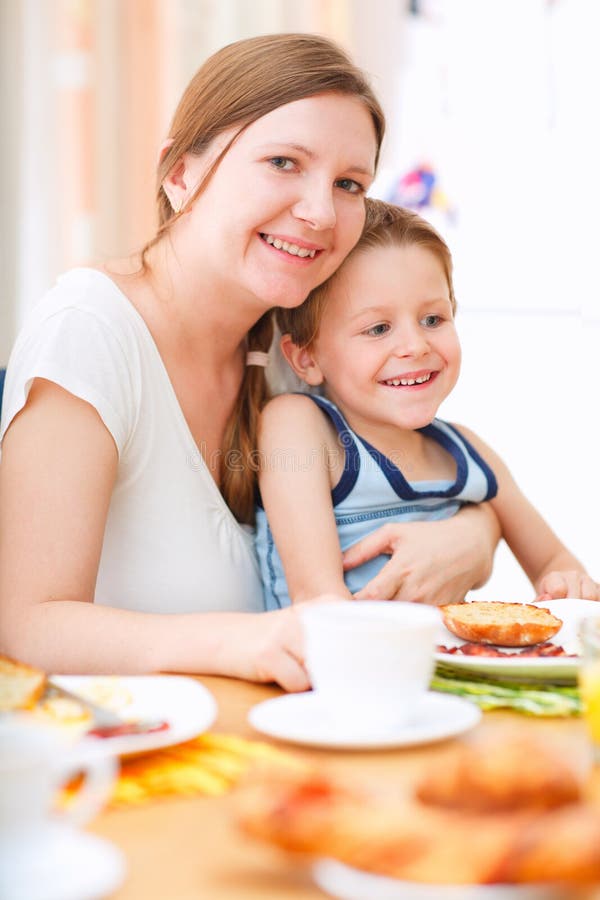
{"x": 410, "y": 379}
{"x": 387, "y": 348}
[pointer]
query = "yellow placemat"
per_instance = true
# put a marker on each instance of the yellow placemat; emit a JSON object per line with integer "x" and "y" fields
{"x": 210, "y": 764}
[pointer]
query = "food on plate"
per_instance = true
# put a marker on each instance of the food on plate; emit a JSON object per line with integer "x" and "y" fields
{"x": 508, "y": 809}
{"x": 542, "y": 651}
{"x": 304, "y": 811}
{"x": 75, "y": 717}
{"x": 21, "y": 685}
{"x": 310, "y": 813}
{"x": 506, "y": 624}
{"x": 501, "y": 772}
{"x": 63, "y": 712}
{"x": 565, "y": 842}
{"x": 25, "y": 689}
{"x": 107, "y": 691}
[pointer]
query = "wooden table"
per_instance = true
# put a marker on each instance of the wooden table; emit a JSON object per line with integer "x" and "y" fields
{"x": 189, "y": 848}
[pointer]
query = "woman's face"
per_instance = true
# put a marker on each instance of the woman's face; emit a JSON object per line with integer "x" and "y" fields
{"x": 285, "y": 204}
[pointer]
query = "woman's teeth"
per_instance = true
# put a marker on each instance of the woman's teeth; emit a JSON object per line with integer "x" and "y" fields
{"x": 406, "y": 382}
{"x": 292, "y": 249}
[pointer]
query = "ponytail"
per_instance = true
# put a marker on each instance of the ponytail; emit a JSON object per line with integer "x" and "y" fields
{"x": 240, "y": 462}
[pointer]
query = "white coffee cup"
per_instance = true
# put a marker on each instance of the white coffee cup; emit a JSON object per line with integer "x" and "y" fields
{"x": 369, "y": 662}
{"x": 35, "y": 762}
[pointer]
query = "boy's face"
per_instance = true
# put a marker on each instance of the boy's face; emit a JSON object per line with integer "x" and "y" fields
{"x": 387, "y": 347}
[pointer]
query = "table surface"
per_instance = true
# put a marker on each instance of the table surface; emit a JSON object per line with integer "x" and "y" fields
{"x": 189, "y": 848}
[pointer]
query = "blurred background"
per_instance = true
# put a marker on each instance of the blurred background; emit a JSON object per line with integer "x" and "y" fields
{"x": 492, "y": 110}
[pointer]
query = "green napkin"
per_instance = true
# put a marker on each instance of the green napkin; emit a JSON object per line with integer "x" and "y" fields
{"x": 532, "y": 700}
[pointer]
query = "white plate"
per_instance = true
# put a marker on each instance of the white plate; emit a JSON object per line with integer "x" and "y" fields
{"x": 553, "y": 669}
{"x": 61, "y": 864}
{"x": 346, "y": 883}
{"x": 304, "y": 719}
{"x": 185, "y": 704}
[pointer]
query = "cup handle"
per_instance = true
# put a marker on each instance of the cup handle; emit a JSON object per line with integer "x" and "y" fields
{"x": 99, "y": 773}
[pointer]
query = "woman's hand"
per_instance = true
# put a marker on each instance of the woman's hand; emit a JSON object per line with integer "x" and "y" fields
{"x": 431, "y": 562}
{"x": 265, "y": 647}
{"x": 556, "y": 585}
{"x": 268, "y": 647}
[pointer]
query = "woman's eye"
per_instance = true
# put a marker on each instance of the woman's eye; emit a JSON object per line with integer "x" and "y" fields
{"x": 377, "y": 330}
{"x": 282, "y": 162}
{"x": 431, "y": 321}
{"x": 349, "y": 185}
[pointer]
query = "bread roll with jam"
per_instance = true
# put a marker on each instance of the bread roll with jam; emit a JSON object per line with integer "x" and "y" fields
{"x": 20, "y": 685}
{"x": 505, "y": 624}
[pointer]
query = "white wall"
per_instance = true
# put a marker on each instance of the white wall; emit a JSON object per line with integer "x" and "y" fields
{"x": 499, "y": 98}
{"x": 529, "y": 387}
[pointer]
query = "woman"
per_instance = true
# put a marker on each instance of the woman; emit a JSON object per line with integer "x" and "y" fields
{"x": 130, "y": 409}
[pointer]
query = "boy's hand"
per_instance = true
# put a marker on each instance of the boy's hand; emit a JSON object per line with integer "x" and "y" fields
{"x": 556, "y": 585}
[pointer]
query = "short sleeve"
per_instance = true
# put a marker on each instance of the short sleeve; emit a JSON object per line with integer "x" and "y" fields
{"x": 83, "y": 354}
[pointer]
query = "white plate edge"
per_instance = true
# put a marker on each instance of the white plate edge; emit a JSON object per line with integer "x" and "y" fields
{"x": 127, "y": 745}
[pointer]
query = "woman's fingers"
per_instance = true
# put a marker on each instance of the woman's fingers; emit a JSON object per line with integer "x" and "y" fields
{"x": 268, "y": 647}
{"x": 388, "y": 584}
{"x": 290, "y": 673}
{"x": 380, "y": 588}
{"x": 381, "y": 541}
{"x": 287, "y": 661}
{"x": 284, "y": 667}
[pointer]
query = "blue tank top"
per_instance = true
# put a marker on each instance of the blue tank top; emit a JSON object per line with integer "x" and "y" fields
{"x": 372, "y": 491}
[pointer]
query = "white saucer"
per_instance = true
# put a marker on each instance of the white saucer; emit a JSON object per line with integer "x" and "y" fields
{"x": 63, "y": 864}
{"x": 304, "y": 719}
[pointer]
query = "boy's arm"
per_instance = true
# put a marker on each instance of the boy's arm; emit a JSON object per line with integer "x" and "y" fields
{"x": 294, "y": 444}
{"x": 548, "y": 564}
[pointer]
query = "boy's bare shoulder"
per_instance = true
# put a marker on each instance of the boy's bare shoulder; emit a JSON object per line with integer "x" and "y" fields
{"x": 291, "y": 405}
{"x": 292, "y": 414}
{"x": 487, "y": 452}
{"x": 468, "y": 434}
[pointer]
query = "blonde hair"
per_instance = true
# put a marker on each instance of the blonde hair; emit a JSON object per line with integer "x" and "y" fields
{"x": 236, "y": 86}
{"x": 385, "y": 225}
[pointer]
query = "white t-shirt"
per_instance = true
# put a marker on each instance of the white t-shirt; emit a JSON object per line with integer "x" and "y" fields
{"x": 171, "y": 543}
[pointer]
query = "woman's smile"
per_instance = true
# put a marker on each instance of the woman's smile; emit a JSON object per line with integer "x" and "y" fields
{"x": 297, "y": 248}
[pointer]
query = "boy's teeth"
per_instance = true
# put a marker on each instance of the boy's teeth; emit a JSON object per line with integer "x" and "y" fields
{"x": 406, "y": 382}
{"x": 292, "y": 249}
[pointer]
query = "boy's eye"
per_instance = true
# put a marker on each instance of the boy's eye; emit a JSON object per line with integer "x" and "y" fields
{"x": 431, "y": 321}
{"x": 282, "y": 162}
{"x": 377, "y": 330}
{"x": 349, "y": 185}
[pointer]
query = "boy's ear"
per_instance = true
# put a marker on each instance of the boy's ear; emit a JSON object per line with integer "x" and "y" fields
{"x": 301, "y": 360}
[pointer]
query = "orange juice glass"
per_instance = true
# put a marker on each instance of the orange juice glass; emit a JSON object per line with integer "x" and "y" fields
{"x": 589, "y": 680}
